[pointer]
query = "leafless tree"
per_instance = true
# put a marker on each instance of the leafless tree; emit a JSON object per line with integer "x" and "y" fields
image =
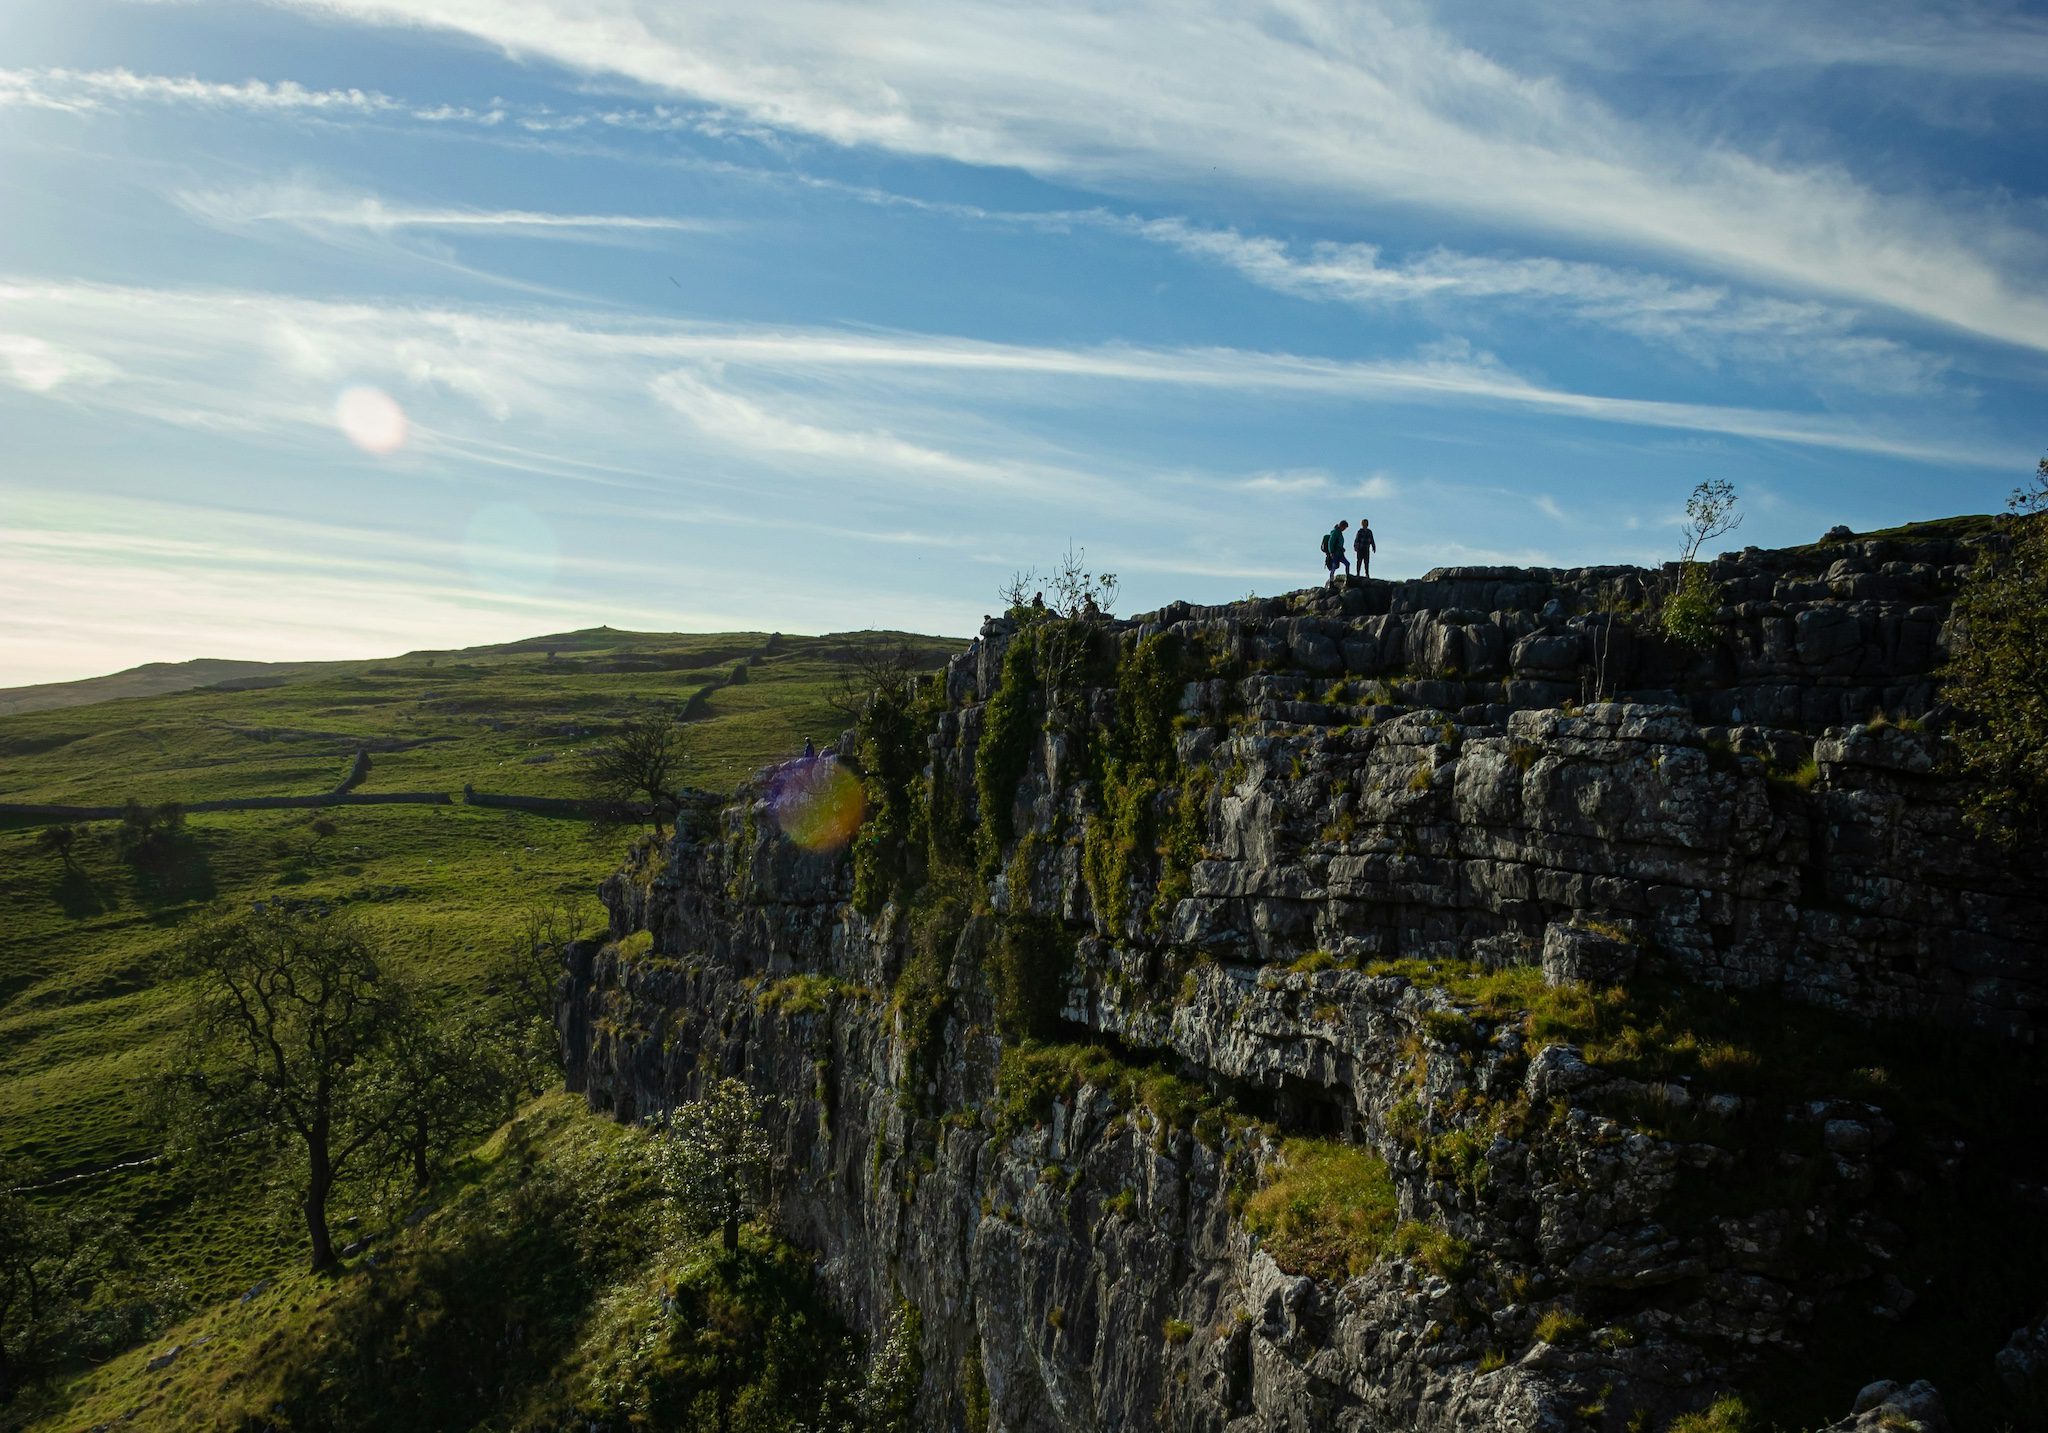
{"x": 292, "y": 1017}
{"x": 872, "y": 671}
{"x": 1709, "y": 513}
{"x": 60, "y": 839}
{"x": 1079, "y": 592}
{"x": 641, "y": 766}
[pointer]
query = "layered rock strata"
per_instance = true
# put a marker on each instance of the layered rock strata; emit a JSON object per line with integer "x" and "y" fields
{"x": 1635, "y": 967}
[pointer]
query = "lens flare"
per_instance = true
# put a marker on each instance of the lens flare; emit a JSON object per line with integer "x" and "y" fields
{"x": 817, "y": 803}
{"x": 371, "y": 419}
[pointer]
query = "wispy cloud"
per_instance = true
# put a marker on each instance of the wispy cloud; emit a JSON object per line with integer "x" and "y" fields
{"x": 739, "y": 421}
{"x": 1351, "y": 107}
{"x": 172, "y": 346}
{"x": 89, "y": 91}
{"x": 1294, "y": 480}
{"x": 1708, "y": 322}
{"x": 62, "y": 89}
{"x": 306, "y": 205}
{"x": 1961, "y": 40}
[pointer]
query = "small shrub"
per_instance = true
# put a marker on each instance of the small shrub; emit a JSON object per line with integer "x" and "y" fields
{"x": 1492, "y": 1359}
{"x": 1314, "y": 961}
{"x": 1993, "y": 676}
{"x": 808, "y": 993}
{"x": 1178, "y": 1331}
{"x": 1437, "y": 1250}
{"x": 1691, "y": 613}
{"x": 150, "y": 834}
{"x": 1056, "y": 1317}
{"x": 1796, "y": 778}
{"x": 635, "y": 945}
{"x": 1728, "y": 1414}
{"x": 1459, "y": 1155}
{"x": 1327, "y": 1209}
{"x": 1560, "y": 1327}
{"x": 1034, "y": 1076}
{"x": 1419, "y": 780}
{"x": 1450, "y": 1027}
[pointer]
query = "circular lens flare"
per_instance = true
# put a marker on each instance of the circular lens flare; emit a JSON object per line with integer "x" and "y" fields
{"x": 817, "y": 803}
{"x": 371, "y": 419}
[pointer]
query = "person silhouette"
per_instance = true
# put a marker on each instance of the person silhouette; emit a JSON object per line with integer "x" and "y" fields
{"x": 1364, "y": 544}
{"x": 1333, "y": 550}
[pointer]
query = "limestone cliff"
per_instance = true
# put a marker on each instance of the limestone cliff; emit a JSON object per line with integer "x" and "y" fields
{"x": 1694, "y": 1030}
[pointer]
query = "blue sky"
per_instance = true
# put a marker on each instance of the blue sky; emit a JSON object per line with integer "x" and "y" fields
{"x": 341, "y": 327}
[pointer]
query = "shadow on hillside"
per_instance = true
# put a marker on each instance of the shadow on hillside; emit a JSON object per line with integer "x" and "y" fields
{"x": 545, "y": 1296}
{"x": 180, "y": 875}
{"x": 466, "y": 1330}
{"x": 79, "y": 895}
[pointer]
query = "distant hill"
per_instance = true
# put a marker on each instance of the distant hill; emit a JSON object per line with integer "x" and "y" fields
{"x": 604, "y": 648}
{"x": 151, "y": 679}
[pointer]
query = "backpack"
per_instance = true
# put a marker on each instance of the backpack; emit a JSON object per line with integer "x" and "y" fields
{"x": 1331, "y": 543}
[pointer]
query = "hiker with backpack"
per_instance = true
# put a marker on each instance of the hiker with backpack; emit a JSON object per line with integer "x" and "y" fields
{"x": 1364, "y": 544}
{"x": 1333, "y": 550}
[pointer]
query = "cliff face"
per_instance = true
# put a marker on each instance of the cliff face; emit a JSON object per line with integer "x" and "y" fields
{"x": 1651, "y": 978}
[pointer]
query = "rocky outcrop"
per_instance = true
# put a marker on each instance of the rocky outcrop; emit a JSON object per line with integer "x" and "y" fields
{"x": 1643, "y": 1003}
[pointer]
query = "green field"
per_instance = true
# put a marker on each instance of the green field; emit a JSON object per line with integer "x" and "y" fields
{"x": 85, "y": 1019}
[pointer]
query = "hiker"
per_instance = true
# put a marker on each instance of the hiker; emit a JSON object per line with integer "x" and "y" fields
{"x": 1089, "y": 611}
{"x": 810, "y": 750}
{"x": 1364, "y": 544}
{"x": 1333, "y": 550}
{"x": 1038, "y": 601}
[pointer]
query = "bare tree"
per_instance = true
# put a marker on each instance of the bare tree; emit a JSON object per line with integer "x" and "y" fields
{"x": 641, "y": 766}
{"x": 1016, "y": 590}
{"x": 451, "y": 1079}
{"x": 1076, "y": 592}
{"x": 293, "y": 1012}
{"x": 60, "y": 839}
{"x": 873, "y": 671}
{"x": 1079, "y": 592}
{"x": 532, "y": 963}
{"x": 1689, "y": 613}
{"x": 1709, "y": 513}
{"x": 302, "y": 1040}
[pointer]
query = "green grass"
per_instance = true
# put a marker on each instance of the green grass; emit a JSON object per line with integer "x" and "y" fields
{"x": 1724, "y": 1415}
{"x": 546, "y": 1286}
{"x": 503, "y": 719}
{"x": 1326, "y": 1209}
{"x": 1033, "y": 1076}
{"x": 1967, "y": 525}
{"x": 1559, "y": 1327}
{"x": 86, "y": 1019}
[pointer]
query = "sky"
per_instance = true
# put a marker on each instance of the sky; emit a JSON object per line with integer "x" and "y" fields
{"x": 338, "y": 328}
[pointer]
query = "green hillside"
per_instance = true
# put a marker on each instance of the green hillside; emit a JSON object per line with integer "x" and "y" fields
{"x": 151, "y": 679}
{"x": 84, "y": 1018}
{"x": 518, "y": 1295}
